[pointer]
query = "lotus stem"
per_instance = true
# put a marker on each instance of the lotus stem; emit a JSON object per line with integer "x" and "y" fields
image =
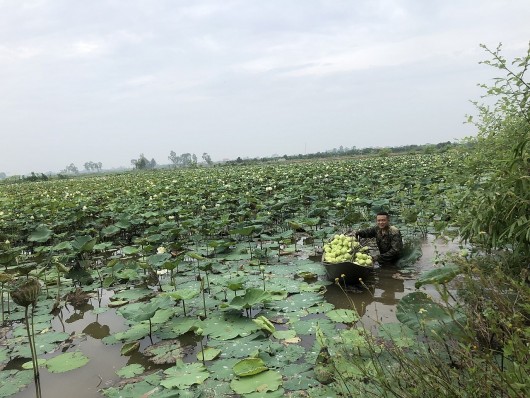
{"x": 184, "y": 307}
{"x": 203, "y": 297}
{"x": 2, "y": 294}
{"x": 31, "y": 346}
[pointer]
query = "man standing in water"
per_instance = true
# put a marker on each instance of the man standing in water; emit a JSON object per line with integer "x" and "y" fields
{"x": 388, "y": 239}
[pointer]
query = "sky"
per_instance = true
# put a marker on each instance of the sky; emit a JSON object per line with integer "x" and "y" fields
{"x": 108, "y": 80}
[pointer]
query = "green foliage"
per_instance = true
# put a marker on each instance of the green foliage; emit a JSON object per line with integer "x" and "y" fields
{"x": 494, "y": 210}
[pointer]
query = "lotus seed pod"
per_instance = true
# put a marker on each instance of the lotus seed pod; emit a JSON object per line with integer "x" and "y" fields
{"x": 26, "y": 292}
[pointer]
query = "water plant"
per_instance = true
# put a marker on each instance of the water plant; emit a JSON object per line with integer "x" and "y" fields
{"x": 25, "y": 292}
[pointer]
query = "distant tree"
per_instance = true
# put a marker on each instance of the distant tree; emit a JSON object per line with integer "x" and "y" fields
{"x": 174, "y": 158}
{"x": 71, "y": 169}
{"x": 2, "y": 175}
{"x": 141, "y": 163}
{"x": 152, "y": 164}
{"x": 207, "y": 159}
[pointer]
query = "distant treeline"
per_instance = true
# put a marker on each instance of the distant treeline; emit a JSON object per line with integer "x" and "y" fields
{"x": 71, "y": 171}
{"x": 345, "y": 152}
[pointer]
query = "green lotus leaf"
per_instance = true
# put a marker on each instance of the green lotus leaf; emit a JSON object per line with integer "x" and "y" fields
{"x": 184, "y": 325}
{"x": 249, "y": 367}
{"x": 83, "y": 243}
{"x": 250, "y": 298}
{"x": 129, "y": 348}
{"x": 300, "y": 381}
{"x": 398, "y": 334}
{"x": 62, "y": 246}
{"x": 165, "y": 352}
{"x": 110, "y": 230}
{"x": 235, "y": 284}
{"x": 229, "y": 327}
{"x": 264, "y": 324}
{"x": 41, "y": 234}
{"x": 284, "y": 334}
{"x": 183, "y": 376}
{"x": 123, "y": 223}
{"x": 354, "y": 338}
{"x": 67, "y": 361}
{"x": 420, "y": 313}
{"x": 222, "y": 369}
{"x": 103, "y": 246}
{"x": 262, "y": 382}
{"x": 130, "y": 371}
{"x": 438, "y": 275}
{"x": 195, "y": 256}
{"x": 183, "y": 294}
{"x": 149, "y": 385}
{"x": 159, "y": 259}
{"x": 129, "y": 250}
{"x": 245, "y": 231}
{"x": 133, "y": 294}
{"x": 343, "y": 315}
{"x": 208, "y": 354}
{"x": 4, "y": 355}
{"x": 117, "y": 303}
{"x": 29, "y": 364}
{"x": 135, "y": 332}
{"x": 12, "y": 381}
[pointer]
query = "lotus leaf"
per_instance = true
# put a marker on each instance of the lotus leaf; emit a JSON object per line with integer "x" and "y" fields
{"x": 420, "y": 313}
{"x": 300, "y": 381}
{"x": 136, "y": 332}
{"x": 343, "y": 315}
{"x": 236, "y": 283}
{"x": 284, "y": 334}
{"x": 165, "y": 352}
{"x": 149, "y": 385}
{"x": 265, "y": 324}
{"x": 183, "y": 376}
{"x": 438, "y": 275}
{"x": 208, "y": 354}
{"x": 184, "y": 325}
{"x": 67, "y": 361}
{"x": 228, "y": 327}
{"x": 397, "y": 333}
{"x": 129, "y": 348}
{"x": 12, "y": 381}
{"x": 129, "y": 250}
{"x": 183, "y": 294}
{"x": 62, "y": 246}
{"x": 130, "y": 371}
{"x": 83, "y": 243}
{"x": 249, "y": 367}
{"x": 222, "y": 369}
{"x": 41, "y": 234}
{"x": 158, "y": 260}
{"x": 29, "y": 365}
{"x": 110, "y": 230}
{"x": 250, "y": 298}
{"x": 262, "y": 382}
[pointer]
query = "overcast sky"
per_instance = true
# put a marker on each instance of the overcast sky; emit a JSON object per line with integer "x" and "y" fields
{"x": 106, "y": 80}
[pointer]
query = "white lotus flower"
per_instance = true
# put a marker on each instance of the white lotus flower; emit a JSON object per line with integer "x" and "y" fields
{"x": 161, "y": 250}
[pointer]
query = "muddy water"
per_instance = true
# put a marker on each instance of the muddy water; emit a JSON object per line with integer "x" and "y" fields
{"x": 377, "y": 301}
{"x": 375, "y": 304}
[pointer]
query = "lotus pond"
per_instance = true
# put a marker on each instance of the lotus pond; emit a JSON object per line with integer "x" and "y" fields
{"x": 203, "y": 282}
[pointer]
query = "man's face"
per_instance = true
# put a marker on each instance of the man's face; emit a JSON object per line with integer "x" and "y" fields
{"x": 382, "y": 221}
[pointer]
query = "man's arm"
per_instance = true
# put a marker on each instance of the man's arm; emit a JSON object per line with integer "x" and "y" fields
{"x": 366, "y": 233}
